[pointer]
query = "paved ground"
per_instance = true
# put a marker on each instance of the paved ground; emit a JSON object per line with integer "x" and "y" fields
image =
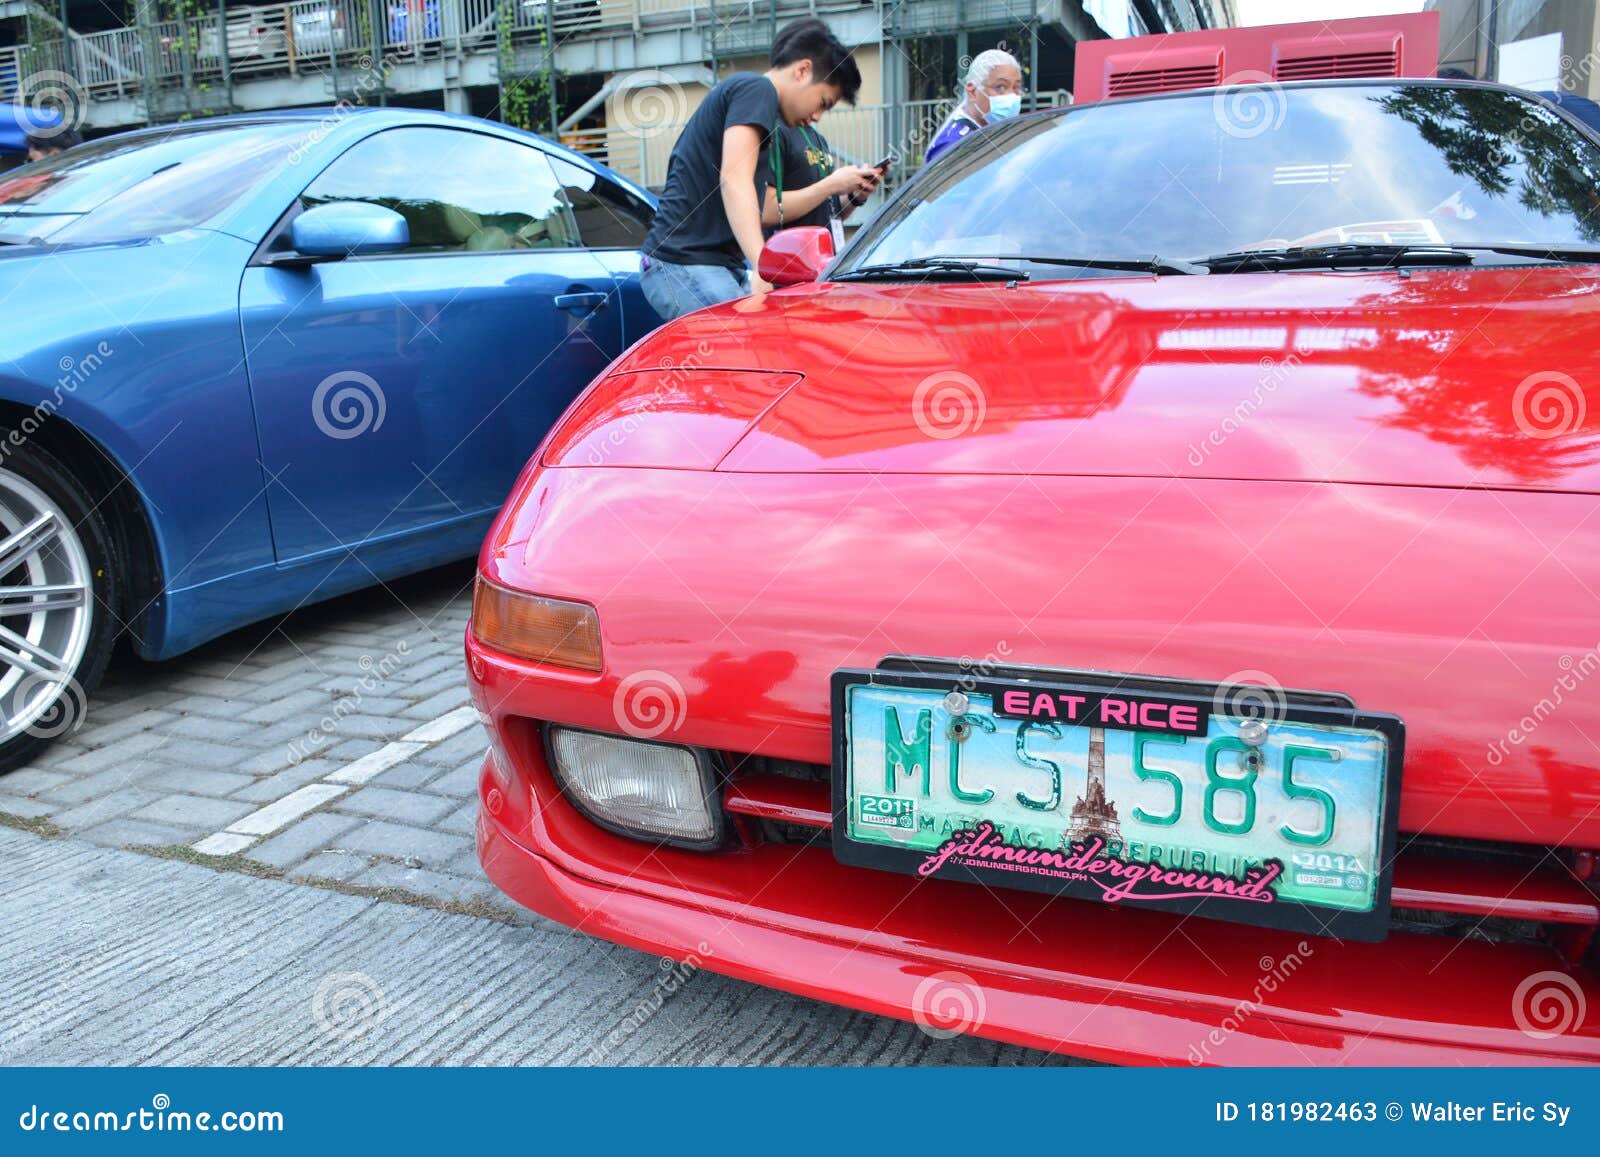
{"x": 334, "y": 750}
{"x": 172, "y": 753}
{"x": 110, "y": 957}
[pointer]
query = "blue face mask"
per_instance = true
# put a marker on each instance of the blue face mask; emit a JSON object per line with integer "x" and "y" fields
{"x": 1005, "y": 105}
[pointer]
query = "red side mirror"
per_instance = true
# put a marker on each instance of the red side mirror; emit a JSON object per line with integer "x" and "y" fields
{"x": 795, "y": 256}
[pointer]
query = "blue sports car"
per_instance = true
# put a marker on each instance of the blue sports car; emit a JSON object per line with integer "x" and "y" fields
{"x": 256, "y": 361}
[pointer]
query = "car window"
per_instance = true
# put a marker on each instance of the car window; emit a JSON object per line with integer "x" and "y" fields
{"x": 139, "y": 185}
{"x": 460, "y": 192}
{"x": 1418, "y": 163}
{"x": 608, "y": 216}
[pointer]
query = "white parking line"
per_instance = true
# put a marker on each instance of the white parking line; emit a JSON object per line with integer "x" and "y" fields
{"x": 443, "y": 727}
{"x": 245, "y": 832}
{"x": 365, "y": 768}
{"x": 265, "y": 821}
{"x": 224, "y": 844}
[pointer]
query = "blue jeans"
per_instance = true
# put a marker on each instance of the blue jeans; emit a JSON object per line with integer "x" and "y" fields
{"x": 674, "y": 290}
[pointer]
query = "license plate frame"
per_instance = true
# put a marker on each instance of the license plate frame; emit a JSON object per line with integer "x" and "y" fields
{"x": 1331, "y": 709}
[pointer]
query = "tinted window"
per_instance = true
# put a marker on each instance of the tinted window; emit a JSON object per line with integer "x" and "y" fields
{"x": 459, "y": 191}
{"x": 608, "y": 216}
{"x": 1251, "y": 168}
{"x": 126, "y": 187}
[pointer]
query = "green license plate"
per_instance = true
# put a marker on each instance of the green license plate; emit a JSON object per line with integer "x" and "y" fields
{"x": 1266, "y": 807}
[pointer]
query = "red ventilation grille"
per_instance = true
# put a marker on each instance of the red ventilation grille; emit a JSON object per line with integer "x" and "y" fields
{"x": 1138, "y": 82}
{"x": 1334, "y": 65}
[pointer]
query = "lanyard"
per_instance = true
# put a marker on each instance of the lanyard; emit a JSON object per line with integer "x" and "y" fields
{"x": 777, "y": 165}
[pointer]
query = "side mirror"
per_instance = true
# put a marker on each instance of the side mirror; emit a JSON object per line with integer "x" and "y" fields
{"x": 349, "y": 229}
{"x": 796, "y": 256}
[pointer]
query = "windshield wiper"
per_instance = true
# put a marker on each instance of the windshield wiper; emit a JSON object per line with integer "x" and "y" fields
{"x": 1578, "y": 253}
{"x": 1354, "y": 255}
{"x": 1139, "y": 264}
{"x": 934, "y": 268}
{"x": 983, "y": 268}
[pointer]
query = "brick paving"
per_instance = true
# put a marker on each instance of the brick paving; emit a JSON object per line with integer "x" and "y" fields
{"x": 173, "y": 753}
{"x": 352, "y": 719}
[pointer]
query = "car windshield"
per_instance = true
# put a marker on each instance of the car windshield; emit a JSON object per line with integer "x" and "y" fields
{"x": 1192, "y": 177}
{"x": 128, "y": 187}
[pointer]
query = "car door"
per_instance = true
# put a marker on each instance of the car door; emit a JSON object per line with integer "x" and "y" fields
{"x": 612, "y": 221}
{"x": 404, "y": 392}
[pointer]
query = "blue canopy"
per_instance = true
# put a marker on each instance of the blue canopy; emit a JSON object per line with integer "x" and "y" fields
{"x": 18, "y": 120}
{"x": 1581, "y": 107}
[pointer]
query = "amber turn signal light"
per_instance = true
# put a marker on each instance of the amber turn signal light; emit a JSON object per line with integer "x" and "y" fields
{"x": 553, "y": 631}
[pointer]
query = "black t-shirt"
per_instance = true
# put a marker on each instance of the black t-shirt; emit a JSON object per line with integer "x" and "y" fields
{"x": 691, "y": 225}
{"x": 800, "y": 156}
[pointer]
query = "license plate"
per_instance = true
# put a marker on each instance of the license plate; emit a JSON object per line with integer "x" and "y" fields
{"x": 1266, "y": 807}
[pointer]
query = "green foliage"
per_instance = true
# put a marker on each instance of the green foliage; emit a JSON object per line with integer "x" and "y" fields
{"x": 1507, "y": 147}
{"x": 525, "y": 98}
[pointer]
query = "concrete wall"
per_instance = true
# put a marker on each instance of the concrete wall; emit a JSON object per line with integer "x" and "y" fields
{"x": 1464, "y": 29}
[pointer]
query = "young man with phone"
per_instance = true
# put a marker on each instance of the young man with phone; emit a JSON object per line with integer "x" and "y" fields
{"x": 705, "y": 243}
{"x": 805, "y": 187}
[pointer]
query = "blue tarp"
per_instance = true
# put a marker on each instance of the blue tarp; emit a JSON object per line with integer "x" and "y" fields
{"x": 17, "y": 120}
{"x": 1581, "y": 107}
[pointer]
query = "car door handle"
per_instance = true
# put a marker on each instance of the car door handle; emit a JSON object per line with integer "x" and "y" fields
{"x": 581, "y": 303}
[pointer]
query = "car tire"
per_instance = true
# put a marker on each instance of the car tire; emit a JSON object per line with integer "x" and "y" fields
{"x": 58, "y": 602}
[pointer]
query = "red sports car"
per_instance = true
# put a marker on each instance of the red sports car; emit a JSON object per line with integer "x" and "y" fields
{"x": 1141, "y": 600}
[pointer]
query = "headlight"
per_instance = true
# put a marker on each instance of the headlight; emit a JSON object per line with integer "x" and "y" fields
{"x": 554, "y": 631}
{"x": 651, "y": 791}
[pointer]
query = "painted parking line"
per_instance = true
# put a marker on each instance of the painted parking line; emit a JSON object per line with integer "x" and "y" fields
{"x": 246, "y": 832}
{"x": 265, "y": 821}
{"x": 444, "y": 727}
{"x": 224, "y": 844}
{"x": 368, "y": 766}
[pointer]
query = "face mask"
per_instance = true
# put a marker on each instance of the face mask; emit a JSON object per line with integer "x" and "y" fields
{"x": 1005, "y": 105}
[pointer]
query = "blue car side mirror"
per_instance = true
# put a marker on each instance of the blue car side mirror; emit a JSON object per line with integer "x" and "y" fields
{"x": 348, "y": 229}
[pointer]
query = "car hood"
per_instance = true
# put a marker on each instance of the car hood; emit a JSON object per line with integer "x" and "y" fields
{"x": 1454, "y": 378}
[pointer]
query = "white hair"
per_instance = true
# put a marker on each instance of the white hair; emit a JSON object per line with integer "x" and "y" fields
{"x": 985, "y": 63}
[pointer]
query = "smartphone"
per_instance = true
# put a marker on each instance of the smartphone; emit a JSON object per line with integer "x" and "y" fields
{"x": 883, "y": 165}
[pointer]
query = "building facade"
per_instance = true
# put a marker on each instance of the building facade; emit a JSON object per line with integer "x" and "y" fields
{"x": 614, "y": 78}
{"x": 1546, "y": 45}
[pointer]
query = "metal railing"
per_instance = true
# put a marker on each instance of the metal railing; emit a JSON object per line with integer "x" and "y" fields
{"x": 280, "y": 38}
{"x": 861, "y": 135}
{"x": 10, "y": 72}
{"x": 322, "y": 36}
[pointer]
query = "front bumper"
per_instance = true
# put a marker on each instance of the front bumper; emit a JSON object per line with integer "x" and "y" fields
{"x": 1072, "y": 978}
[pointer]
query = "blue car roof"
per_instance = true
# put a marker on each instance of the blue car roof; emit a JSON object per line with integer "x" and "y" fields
{"x": 370, "y": 116}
